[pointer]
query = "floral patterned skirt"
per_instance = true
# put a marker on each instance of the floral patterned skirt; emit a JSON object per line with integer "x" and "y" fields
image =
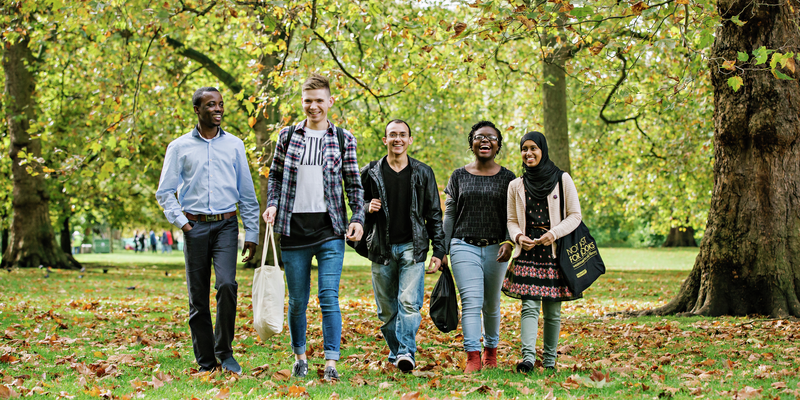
{"x": 536, "y": 276}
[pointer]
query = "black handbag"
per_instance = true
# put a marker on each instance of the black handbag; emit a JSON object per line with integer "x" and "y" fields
{"x": 578, "y": 257}
{"x": 444, "y": 305}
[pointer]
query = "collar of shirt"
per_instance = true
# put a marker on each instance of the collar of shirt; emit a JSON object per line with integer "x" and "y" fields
{"x": 301, "y": 127}
{"x": 196, "y": 133}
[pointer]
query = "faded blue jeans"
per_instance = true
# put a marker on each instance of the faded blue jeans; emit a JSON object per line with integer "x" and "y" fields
{"x": 399, "y": 289}
{"x": 330, "y": 256}
{"x": 479, "y": 278}
{"x": 530, "y": 329}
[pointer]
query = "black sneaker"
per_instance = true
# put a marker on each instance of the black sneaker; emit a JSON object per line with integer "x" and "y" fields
{"x": 331, "y": 374}
{"x": 405, "y": 363}
{"x": 525, "y": 367}
{"x": 300, "y": 369}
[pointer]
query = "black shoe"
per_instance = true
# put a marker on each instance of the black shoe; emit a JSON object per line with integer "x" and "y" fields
{"x": 208, "y": 369}
{"x": 405, "y": 363}
{"x": 525, "y": 367}
{"x": 330, "y": 374}
{"x": 300, "y": 369}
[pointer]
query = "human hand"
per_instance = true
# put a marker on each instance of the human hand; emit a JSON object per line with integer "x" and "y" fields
{"x": 545, "y": 240}
{"x": 374, "y": 206}
{"x": 251, "y": 247}
{"x": 504, "y": 253}
{"x": 354, "y": 232}
{"x": 526, "y": 242}
{"x": 269, "y": 214}
{"x": 444, "y": 261}
{"x": 434, "y": 266}
{"x": 186, "y": 227}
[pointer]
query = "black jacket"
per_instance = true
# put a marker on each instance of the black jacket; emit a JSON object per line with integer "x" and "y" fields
{"x": 426, "y": 213}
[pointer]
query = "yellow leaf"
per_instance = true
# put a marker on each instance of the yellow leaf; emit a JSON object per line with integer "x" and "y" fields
{"x": 251, "y": 121}
{"x": 729, "y": 64}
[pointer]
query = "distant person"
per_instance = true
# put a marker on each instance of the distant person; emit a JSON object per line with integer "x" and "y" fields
{"x": 166, "y": 245}
{"x": 534, "y": 222}
{"x": 141, "y": 242}
{"x": 306, "y": 204}
{"x": 153, "y": 241}
{"x": 135, "y": 241}
{"x": 405, "y": 214}
{"x": 475, "y": 230}
{"x": 170, "y": 242}
{"x": 211, "y": 169}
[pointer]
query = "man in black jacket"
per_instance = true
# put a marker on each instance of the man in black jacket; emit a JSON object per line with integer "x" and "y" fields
{"x": 404, "y": 213}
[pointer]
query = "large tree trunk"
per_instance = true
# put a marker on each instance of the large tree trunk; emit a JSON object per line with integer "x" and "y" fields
{"x": 680, "y": 236}
{"x": 554, "y": 109}
{"x": 749, "y": 261}
{"x": 266, "y": 120}
{"x": 32, "y": 242}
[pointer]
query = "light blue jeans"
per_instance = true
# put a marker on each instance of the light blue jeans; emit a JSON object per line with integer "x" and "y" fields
{"x": 330, "y": 256}
{"x": 399, "y": 291}
{"x": 530, "y": 330}
{"x": 479, "y": 278}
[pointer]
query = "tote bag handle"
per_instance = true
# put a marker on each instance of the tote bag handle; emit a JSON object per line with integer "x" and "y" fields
{"x": 269, "y": 239}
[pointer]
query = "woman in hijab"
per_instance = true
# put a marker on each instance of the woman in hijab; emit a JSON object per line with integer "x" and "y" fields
{"x": 534, "y": 224}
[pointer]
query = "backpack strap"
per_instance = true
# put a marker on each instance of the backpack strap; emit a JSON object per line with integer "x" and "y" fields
{"x": 288, "y": 138}
{"x": 340, "y": 136}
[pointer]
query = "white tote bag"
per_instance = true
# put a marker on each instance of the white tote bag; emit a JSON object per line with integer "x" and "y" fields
{"x": 268, "y": 292}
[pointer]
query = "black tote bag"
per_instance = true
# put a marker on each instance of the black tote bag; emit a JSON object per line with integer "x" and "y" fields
{"x": 444, "y": 305}
{"x": 578, "y": 257}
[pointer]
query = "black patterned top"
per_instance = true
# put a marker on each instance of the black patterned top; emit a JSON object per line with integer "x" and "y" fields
{"x": 480, "y": 204}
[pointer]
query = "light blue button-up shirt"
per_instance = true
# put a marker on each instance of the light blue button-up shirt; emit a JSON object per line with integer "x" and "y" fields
{"x": 210, "y": 177}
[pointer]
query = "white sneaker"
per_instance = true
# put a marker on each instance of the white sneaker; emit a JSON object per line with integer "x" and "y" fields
{"x": 406, "y": 363}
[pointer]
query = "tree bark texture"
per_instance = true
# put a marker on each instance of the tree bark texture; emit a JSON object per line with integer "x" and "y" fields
{"x": 680, "y": 236}
{"x": 554, "y": 111}
{"x": 749, "y": 260}
{"x": 266, "y": 119}
{"x": 32, "y": 242}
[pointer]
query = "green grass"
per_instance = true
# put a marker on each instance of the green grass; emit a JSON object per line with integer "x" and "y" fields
{"x": 122, "y": 334}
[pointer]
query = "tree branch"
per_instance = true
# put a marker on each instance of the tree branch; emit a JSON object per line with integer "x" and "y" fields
{"x": 192, "y": 10}
{"x": 139, "y": 77}
{"x": 207, "y": 63}
{"x": 623, "y": 75}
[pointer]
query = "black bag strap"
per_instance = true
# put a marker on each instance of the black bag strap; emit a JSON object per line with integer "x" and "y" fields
{"x": 561, "y": 196}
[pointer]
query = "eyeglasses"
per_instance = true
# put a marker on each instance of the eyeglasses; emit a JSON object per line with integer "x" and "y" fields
{"x": 395, "y": 136}
{"x": 479, "y": 138}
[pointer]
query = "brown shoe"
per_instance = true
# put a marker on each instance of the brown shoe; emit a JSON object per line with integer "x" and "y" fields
{"x": 473, "y": 362}
{"x": 490, "y": 357}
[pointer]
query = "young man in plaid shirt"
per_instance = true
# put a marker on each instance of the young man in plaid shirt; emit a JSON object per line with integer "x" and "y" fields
{"x": 306, "y": 205}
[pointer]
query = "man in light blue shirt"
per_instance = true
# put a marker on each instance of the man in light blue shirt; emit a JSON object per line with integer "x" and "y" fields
{"x": 208, "y": 169}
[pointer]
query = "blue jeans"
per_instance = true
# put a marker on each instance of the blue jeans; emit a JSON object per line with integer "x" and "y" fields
{"x": 330, "y": 256}
{"x": 530, "y": 327}
{"x": 479, "y": 278}
{"x": 399, "y": 289}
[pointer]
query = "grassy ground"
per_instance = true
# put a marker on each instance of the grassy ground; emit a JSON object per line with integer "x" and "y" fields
{"x": 118, "y": 330}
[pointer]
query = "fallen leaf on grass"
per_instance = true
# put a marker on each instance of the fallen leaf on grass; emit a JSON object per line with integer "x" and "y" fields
{"x": 410, "y": 396}
{"x": 385, "y": 385}
{"x": 746, "y": 393}
{"x": 224, "y": 393}
{"x": 778, "y": 385}
{"x": 7, "y": 392}
{"x": 282, "y": 375}
{"x": 358, "y": 380}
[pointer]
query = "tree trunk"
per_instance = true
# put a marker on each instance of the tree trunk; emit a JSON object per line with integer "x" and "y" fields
{"x": 554, "y": 109}
{"x": 749, "y": 261}
{"x": 66, "y": 238}
{"x": 680, "y": 236}
{"x": 32, "y": 242}
{"x": 267, "y": 149}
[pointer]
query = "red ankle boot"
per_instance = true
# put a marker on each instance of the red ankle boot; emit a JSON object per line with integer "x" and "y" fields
{"x": 473, "y": 362}
{"x": 490, "y": 357}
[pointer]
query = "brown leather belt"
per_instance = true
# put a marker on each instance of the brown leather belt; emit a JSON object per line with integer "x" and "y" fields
{"x": 209, "y": 218}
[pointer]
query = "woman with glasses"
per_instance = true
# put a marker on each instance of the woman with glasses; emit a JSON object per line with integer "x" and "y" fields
{"x": 534, "y": 222}
{"x": 478, "y": 243}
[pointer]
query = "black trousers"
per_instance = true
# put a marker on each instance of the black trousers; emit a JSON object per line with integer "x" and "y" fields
{"x": 209, "y": 241}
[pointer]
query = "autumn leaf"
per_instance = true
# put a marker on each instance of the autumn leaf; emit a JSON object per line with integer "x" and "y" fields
{"x": 224, "y": 393}
{"x": 637, "y": 8}
{"x": 410, "y": 396}
{"x": 596, "y": 48}
{"x": 282, "y": 375}
{"x": 729, "y": 64}
{"x": 7, "y": 392}
{"x": 458, "y": 28}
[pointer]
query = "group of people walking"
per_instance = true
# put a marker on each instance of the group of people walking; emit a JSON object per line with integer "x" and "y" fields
{"x": 165, "y": 239}
{"x": 490, "y": 217}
